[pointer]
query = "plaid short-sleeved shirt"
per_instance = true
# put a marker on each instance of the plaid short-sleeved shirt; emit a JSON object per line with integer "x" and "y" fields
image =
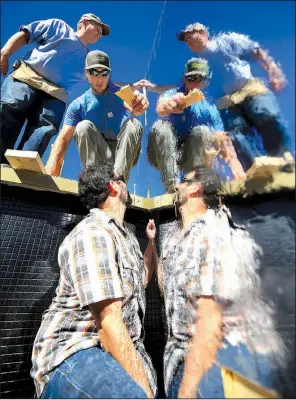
{"x": 213, "y": 258}
{"x": 100, "y": 259}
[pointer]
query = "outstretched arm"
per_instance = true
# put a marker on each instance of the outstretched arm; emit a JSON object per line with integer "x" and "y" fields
{"x": 276, "y": 75}
{"x": 151, "y": 87}
{"x": 203, "y": 347}
{"x": 14, "y": 43}
{"x": 115, "y": 339}
{"x": 150, "y": 255}
{"x": 58, "y": 152}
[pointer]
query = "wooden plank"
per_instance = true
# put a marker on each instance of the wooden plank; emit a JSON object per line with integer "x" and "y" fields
{"x": 237, "y": 386}
{"x": 26, "y": 160}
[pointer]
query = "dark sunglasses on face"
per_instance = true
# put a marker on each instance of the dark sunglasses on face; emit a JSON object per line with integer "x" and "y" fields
{"x": 119, "y": 178}
{"x": 197, "y": 78}
{"x": 95, "y": 72}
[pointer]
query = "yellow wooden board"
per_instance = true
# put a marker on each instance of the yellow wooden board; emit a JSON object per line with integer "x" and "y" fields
{"x": 193, "y": 96}
{"x": 237, "y": 386}
{"x": 126, "y": 94}
{"x": 26, "y": 160}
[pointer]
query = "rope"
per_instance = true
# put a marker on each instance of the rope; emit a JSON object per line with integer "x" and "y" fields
{"x": 152, "y": 53}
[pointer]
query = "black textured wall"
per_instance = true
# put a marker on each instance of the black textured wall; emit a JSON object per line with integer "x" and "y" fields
{"x": 33, "y": 224}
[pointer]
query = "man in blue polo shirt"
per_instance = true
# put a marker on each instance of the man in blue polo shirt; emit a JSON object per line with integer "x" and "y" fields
{"x": 189, "y": 136}
{"x": 36, "y": 90}
{"x": 102, "y": 124}
{"x": 250, "y": 111}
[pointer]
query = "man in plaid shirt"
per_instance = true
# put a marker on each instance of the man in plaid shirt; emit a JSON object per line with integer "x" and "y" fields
{"x": 90, "y": 343}
{"x": 214, "y": 310}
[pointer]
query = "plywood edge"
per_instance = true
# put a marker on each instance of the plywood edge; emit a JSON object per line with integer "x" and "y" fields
{"x": 278, "y": 182}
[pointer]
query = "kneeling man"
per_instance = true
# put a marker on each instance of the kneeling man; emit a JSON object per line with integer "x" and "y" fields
{"x": 103, "y": 126}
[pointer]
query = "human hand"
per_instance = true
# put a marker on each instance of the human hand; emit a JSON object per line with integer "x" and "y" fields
{"x": 176, "y": 104}
{"x": 277, "y": 83}
{"x": 4, "y": 63}
{"x": 143, "y": 83}
{"x": 151, "y": 230}
{"x": 140, "y": 103}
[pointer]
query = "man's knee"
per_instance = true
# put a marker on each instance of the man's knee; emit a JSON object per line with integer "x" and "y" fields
{"x": 201, "y": 136}
{"x": 82, "y": 128}
{"x": 135, "y": 126}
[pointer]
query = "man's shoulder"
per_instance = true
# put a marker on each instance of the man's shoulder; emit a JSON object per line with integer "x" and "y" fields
{"x": 91, "y": 223}
{"x": 172, "y": 92}
{"x": 59, "y": 23}
{"x": 224, "y": 39}
{"x": 82, "y": 99}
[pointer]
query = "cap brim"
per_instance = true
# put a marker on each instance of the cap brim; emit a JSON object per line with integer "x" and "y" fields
{"x": 105, "y": 30}
{"x": 196, "y": 73}
{"x": 98, "y": 66}
{"x": 181, "y": 36}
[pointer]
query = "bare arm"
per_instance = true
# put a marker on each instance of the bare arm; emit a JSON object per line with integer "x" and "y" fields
{"x": 151, "y": 87}
{"x": 172, "y": 105}
{"x": 266, "y": 62}
{"x": 116, "y": 340}
{"x": 58, "y": 152}
{"x": 14, "y": 43}
{"x": 203, "y": 347}
{"x": 150, "y": 255}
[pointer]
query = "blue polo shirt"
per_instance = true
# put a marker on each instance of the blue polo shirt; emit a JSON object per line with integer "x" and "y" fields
{"x": 105, "y": 111}
{"x": 200, "y": 113}
{"x": 59, "y": 55}
{"x": 229, "y": 56}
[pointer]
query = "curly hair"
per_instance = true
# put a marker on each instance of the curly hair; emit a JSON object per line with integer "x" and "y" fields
{"x": 210, "y": 181}
{"x": 93, "y": 184}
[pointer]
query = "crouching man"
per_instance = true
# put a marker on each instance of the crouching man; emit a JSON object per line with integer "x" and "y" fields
{"x": 187, "y": 136}
{"x": 216, "y": 317}
{"x": 103, "y": 126}
{"x": 90, "y": 343}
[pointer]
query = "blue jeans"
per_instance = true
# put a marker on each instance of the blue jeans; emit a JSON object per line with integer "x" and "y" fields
{"x": 239, "y": 359}
{"x": 21, "y": 102}
{"x": 93, "y": 374}
{"x": 257, "y": 128}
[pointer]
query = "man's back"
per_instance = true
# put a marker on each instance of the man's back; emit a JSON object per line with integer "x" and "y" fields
{"x": 58, "y": 55}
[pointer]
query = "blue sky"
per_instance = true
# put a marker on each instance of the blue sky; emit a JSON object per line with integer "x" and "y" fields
{"x": 134, "y": 25}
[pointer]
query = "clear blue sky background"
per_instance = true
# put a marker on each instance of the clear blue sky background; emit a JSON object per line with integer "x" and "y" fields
{"x": 134, "y": 25}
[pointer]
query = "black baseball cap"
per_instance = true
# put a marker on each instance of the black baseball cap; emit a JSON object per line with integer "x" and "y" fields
{"x": 97, "y": 59}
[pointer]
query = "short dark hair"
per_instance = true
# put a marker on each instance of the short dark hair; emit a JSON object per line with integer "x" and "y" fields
{"x": 210, "y": 181}
{"x": 93, "y": 184}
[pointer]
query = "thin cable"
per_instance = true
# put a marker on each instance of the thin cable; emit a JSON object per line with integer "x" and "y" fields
{"x": 152, "y": 53}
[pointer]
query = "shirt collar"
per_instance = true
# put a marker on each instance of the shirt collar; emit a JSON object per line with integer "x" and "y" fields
{"x": 105, "y": 218}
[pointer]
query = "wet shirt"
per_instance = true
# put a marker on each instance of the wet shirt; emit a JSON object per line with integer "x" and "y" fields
{"x": 100, "y": 259}
{"x": 58, "y": 55}
{"x": 105, "y": 111}
{"x": 213, "y": 259}
{"x": 198, "y": 114}
{"x": 229, "y": 56}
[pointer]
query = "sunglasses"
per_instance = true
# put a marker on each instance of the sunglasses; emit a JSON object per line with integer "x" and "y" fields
{"x": 197, "y": 78}
{"x": 95, "y": 72}
{"x": 119, "y": 178}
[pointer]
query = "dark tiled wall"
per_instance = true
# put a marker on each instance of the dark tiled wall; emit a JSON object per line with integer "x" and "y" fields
{"x": 33, "y": 224}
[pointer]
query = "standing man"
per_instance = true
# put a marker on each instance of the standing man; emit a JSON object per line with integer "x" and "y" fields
{"x": 246, "y": 104}
{"x": 185, "y": 136}
{"x": 36, "y": 90}
{"x": 215, "y": 314}
{"x": 103, "y": 126}
{"x": 90, "y": 343}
